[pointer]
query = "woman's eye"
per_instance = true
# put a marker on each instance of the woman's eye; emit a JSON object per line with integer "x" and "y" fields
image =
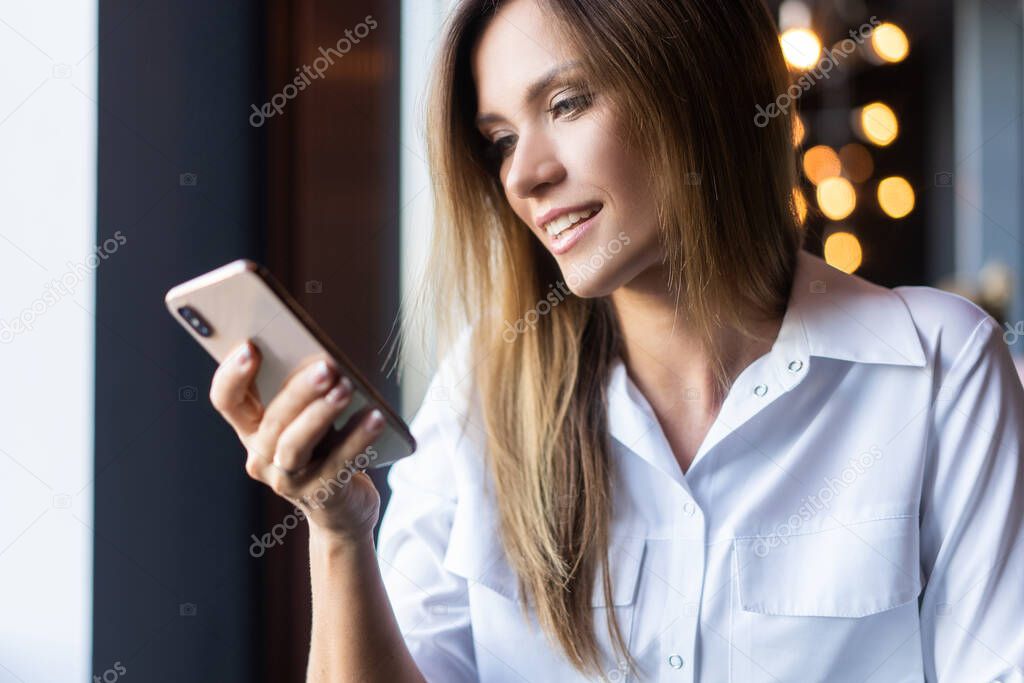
{"x": 571, "y": 105}
{"x": 575, "y": 105}
{"x": 502, "y": 146}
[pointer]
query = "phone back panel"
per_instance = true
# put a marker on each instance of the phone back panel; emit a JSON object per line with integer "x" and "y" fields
{"x": 238, "y": 304}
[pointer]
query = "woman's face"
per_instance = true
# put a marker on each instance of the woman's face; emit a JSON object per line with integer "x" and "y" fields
{"x": 561, "y": 154}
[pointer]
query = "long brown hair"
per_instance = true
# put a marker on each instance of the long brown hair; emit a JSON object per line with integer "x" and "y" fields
{"x": 686, "y": 77}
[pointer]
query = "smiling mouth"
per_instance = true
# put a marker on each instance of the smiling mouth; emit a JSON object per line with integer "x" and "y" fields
{"x": 570, "y": 220}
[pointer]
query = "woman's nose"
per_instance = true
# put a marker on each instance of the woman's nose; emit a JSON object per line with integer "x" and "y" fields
{"x": 534, "y": 164}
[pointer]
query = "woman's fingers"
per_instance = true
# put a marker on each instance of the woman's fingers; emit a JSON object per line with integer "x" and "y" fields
{"x": 305, "y": 386}
{"x": 356, "y": 452}
{"x": 295, "y": 445}
{"x": 318, "y": 483}
{"x": 232, "y": 392}
{"x": 281, "y": 439}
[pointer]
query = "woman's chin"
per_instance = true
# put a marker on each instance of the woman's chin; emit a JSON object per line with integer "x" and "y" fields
{"x": 585, "y": 287}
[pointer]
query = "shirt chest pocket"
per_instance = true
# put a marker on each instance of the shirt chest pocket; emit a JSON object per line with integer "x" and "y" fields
{"x": 834, "y": 604}
{"x": 509, "y": 645}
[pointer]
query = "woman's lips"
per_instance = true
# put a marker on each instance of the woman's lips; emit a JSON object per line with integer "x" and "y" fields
{"x": 569, "y": 237}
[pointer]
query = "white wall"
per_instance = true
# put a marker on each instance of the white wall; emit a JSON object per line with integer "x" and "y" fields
{"x": 421, "y": 23}
{"x": 47, "y": 224}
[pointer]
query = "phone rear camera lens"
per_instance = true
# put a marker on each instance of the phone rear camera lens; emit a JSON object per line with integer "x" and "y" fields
{"x": 195, "y": 320}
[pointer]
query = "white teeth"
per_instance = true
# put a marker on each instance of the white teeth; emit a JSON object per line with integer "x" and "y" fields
{"x": 562, "y": 222}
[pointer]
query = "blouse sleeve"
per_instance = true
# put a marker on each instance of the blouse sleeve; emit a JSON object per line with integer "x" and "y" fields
{"x": 430, "y": 603}
{"x": 972, "y": 521}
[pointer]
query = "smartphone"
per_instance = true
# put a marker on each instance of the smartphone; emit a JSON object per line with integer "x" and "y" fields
{"x": 242, "y": 300}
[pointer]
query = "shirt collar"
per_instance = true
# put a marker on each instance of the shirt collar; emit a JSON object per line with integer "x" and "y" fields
{"x": 833, "y": 314}
{"x": 845, "y": 317}
{"x": 829, "y": 314}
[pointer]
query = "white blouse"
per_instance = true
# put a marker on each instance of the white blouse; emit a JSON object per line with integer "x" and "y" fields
{"x": 855, "y": 513}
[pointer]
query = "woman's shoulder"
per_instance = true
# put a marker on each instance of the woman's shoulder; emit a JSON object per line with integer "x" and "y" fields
{"x": 447, "y": 426}
{"x": 847, "y": 317}
{"x": 949, "y": 325}
{"x": 451, "y": 392}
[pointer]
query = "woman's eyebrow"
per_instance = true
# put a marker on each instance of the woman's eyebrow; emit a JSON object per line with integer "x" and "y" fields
{"x": 535, "y": 90}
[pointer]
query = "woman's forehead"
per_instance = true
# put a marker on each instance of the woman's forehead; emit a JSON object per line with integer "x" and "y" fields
{"x": 517, "y": 52}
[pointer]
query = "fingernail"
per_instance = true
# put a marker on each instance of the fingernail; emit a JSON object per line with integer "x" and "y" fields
{"x": 320, "y": 375}
{"x": 375, "y": 422}
{"x": 339, "y": 392}
{"x": 243, "y": 356}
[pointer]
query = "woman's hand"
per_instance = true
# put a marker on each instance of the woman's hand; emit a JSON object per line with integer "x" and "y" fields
{"x": 279, "y": 440}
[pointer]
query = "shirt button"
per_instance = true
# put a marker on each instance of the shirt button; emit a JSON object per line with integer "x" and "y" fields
{"x": 689, "y": 508}
{"x": 796, "y": 365}
{"x": 761, "y": 389}
{"x": 675, "y": 661}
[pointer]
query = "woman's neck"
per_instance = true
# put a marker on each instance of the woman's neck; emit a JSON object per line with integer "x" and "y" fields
{"x": 663, "y": 352}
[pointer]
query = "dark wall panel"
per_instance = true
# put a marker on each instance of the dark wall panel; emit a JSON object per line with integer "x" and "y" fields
{"x": 194, "y": 177}
{"x": 180, "y": 173}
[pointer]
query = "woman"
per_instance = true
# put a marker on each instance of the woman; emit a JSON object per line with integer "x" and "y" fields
{"x": 665, "y": 443}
